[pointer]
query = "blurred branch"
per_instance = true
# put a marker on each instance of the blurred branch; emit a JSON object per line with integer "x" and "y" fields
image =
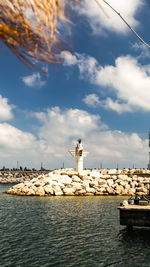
{"x": 29, "y": 28}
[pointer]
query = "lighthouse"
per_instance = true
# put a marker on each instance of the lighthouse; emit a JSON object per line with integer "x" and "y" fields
{"x": 79, "y": 154}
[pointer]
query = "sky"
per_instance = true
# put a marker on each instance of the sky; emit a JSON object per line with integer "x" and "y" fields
{"x": 100, "y": 93}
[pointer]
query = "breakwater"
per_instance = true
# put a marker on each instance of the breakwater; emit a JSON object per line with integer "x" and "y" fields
{"x": 17, "y": 176}
{"x": 68, "y": 182}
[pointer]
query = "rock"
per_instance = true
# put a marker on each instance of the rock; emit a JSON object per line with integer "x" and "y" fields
{"x": 89, "y": 194}
{"x": 102, "y": 182}
{"x": 96, "y": 174}
{"x": 110, "y": 182}
{"x": 140, "y": 179}
{"x": 65, "y": 179}
{"x": 124, "y": 183}
{"x": 18, "y": 186}
{"x": 125, "y": 192}
{"x": 39, "y": 191}
{"x": 118, "y": 190}
{"x": 114, "y": 177}
{"x": 48, "y": 190}
{"x": 106, "y": 176}
{"x": 93, "y": 183}
{"x": 57, "y": 191}
{"x": 80, "y": 192}
{"x": 39, "y": 183}
{"x": 110, "y": 190}
{"x": 75, "y": 178}
{"x": 134, "y": 178}
{"x": 84, "y": 178}
{"x": 90, "y": 190}
{"x": 86, "y": 183}
{"x": 30, "y": 192}
{"x": 69, "y": 191}
{"x": 104, "y": 172}
{"x": 131, "y": 191}
{"x": 142, "y": 190}
{"x": 77, "y": 186}
{"x": 113, "y": 171}
{"x": 133, "y": 184}
{"x": 122, "y": 176}
{"x": 127, "y": 186}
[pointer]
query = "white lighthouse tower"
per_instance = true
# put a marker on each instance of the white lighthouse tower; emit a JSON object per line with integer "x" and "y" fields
{"x": 79, "y": 154}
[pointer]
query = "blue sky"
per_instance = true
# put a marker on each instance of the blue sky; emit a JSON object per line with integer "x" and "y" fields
{"x": 101, "y": 94}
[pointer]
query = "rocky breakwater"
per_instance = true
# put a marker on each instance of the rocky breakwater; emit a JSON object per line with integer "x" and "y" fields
{"x": 68, "y": 182}
{"x": 17, "y": 176}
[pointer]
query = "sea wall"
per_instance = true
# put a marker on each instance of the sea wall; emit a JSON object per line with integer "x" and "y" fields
{"x": 68, "y": 182}
{"x": 19, "y": 176}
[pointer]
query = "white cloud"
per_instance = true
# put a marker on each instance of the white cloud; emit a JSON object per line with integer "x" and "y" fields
{"x": 58, "y": 124}
{"x": 16, "y": 145}
{"x": 34, "y": 80}
{"x": 69, "y": 59}
{"x": 112, "y": 147}
{"x": 58, "y": 133}
{"x": 100, "y": 23}
{"x": 93, "y": 100}
{"x": 61, "y": 128}
{"x": 143, "y": 50}
{"x": 128, "y": 79}
{"x": 14, "y": 138}
{"x": 116, "y": 106}
{"x": 5, "y": 109}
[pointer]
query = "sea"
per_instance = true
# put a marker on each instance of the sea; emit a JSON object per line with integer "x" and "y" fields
{"x": 68, "y": 231}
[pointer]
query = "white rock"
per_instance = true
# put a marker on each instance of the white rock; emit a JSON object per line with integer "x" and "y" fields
{"x": 112, "y": 171}
{"x": 77, "y": 186}
{"x": 95, "y": 174}
{"x": 69, "y": 191}
{"x": 58, "y": 191}
{"x": 110, "y": 182}
{"x": 39, "y": 191}
{"x": 75, "y": 178}
{"x": 65, "y": 179}
{"x": 48, "y": 190}
{"x": 90, "y": 190}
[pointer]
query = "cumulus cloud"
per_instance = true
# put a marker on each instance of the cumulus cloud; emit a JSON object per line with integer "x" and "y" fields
{"x": 34, "y": 80}
{"x": 93, "y": 100}
{"x": 127, "y": 78}
{"x": 112, "y": 147}
{"x": 14, "y": 138}
{"x": 69, "y": 59}
{"x": 57, "y": 133}
{"x": 61, "y": 128}
{"x": 5, "y": 109}
{"x": 100, "y": 23}
{"x": 16, "y": 145}
{"x": 70, "y": 123}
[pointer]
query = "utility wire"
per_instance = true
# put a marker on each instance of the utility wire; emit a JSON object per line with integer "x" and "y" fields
{"x": 123, "y": 21}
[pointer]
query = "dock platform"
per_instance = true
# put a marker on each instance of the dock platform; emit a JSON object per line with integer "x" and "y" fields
{"x": 135, "y": 215}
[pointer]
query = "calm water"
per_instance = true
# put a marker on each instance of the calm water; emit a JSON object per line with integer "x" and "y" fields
{"x": 68, "y": 231}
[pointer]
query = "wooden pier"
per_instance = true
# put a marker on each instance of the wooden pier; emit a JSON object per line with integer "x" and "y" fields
{"x": 135, "y": 215}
